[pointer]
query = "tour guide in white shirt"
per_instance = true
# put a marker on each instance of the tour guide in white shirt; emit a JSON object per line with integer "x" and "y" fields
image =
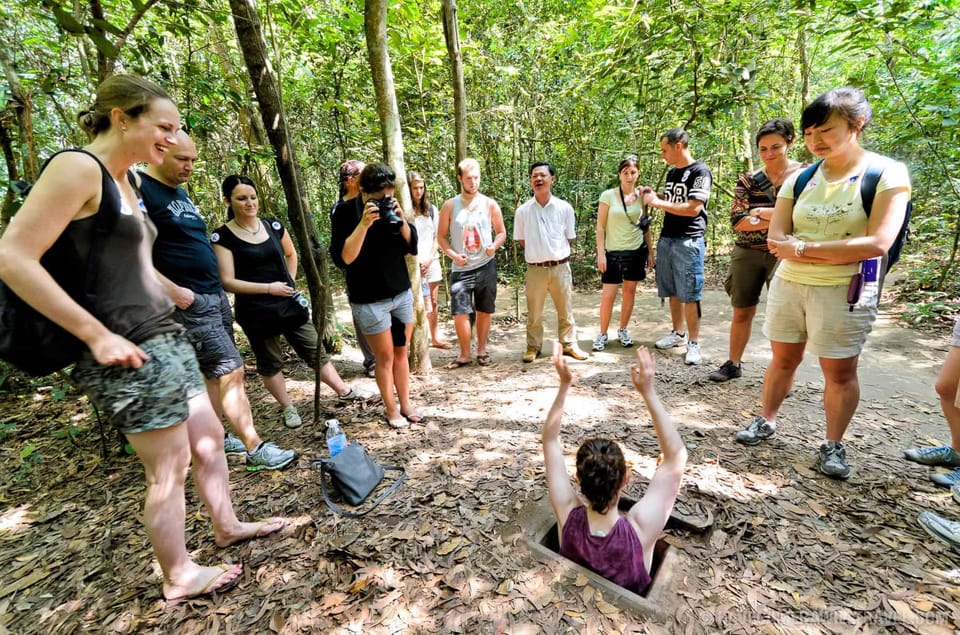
{"x": 544, "y": 227}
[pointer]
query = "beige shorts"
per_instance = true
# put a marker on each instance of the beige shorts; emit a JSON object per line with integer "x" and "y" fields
{"x": 819, "y": 316}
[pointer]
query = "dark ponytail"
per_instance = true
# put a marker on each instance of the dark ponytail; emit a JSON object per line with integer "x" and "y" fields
{"x": 229, "y": 184}
{"x": 600, "y": 472}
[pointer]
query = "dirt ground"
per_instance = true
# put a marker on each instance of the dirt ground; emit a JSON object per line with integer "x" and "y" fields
{"x": 790, "y": 552}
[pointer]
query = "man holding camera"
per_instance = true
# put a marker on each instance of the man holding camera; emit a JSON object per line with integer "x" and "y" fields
{"x": 681, "y": 248}
{"x": 465, "y": 232}
{"x": 187, "y": 267}
{"x": 544, "y": 225}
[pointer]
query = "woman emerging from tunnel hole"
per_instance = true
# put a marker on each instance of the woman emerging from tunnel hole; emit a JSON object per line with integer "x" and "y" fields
{"x": 595, "y": 535}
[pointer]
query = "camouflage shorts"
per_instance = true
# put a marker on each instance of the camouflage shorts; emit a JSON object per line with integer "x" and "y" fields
{"x": 151, "y": 397}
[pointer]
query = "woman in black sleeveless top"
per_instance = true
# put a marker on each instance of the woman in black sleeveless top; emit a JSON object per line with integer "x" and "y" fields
{"x": 139, "y": 369}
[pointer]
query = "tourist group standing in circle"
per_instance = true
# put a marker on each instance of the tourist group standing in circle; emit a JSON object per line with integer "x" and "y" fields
{"x": 164, "y": 366}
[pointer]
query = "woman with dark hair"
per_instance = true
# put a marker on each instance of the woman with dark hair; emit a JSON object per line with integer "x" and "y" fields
{"x": 259, "y": 264}
{"x": 140, "y": 368}
{"x": 369, "y": 238}
{"x": 832, "y": 259}
{"x": 425, "y": 220}
{"x": 596, "y": 535}
{"x": 751, "y": 263}
{"x": 350, "y": 189}
{"x": 624, "y": 250}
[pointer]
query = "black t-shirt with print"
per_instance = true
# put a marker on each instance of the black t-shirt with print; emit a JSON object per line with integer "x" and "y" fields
{"x": 683, "y": 184}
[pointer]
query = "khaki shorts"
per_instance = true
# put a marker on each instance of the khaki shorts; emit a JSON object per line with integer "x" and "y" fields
{"x": 819, "y": 316}
{"x": 152, "y": 397}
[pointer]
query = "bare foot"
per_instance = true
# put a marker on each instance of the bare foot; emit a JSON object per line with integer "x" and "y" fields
{"x": 203, "y": 581}
{"x": 247, "y": 531}
{"x": 443, "y": 345}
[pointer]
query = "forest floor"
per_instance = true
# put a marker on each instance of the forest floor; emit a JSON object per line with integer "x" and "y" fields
{"x": 790, "y": 550}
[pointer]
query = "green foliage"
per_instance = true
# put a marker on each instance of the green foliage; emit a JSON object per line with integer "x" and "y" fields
{"x": 579, "y": 83}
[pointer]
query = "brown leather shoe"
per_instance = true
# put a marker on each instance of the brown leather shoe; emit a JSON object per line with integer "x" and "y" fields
{"x": 574, "y": 352}
{"x": 530, "y": 355}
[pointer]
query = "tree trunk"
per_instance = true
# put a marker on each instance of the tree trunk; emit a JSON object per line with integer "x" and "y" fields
{"x": 253, "y": 46}
{"x": 451, "y": 33}
{"x": 375, "y": 27}
{"x": 22, "y": 107}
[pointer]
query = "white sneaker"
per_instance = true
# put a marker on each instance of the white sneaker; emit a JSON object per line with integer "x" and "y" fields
{"x": 291, "y": 418}
{"x": 625, "y": 340}
{"x": 693, "y": 354}
{"x": 600, "y": 342}
{"x": 672, "y": 340}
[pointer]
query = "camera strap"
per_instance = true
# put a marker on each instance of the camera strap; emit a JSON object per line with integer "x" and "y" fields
{"x": 623, "y": 201}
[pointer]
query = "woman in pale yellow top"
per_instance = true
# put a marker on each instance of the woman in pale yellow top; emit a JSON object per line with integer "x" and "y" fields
{"x": 623, "y": 250}
{"x": 824, "y": 296}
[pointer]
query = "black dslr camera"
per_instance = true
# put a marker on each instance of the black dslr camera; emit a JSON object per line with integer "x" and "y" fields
{"x": 387, "y": 213}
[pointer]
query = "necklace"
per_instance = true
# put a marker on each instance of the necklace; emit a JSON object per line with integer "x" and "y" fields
{"x": 252, "y": 232}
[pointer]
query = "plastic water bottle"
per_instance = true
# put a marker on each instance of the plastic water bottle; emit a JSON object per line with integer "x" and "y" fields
{"x": 336, "y": 439}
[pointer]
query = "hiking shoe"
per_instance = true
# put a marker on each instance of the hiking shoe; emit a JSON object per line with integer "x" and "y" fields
{"x": 728, "y": 371}
{"x": 939, "y": 455}
{"x": 353, "y": 395}
{"x": 291, "y": 418}
{"x": 946, "y": 479}
{"x": 756, "y": 431}
{"x": 600, "y": 342}
{"x": 693, "y": 357}
{"x": 832, "y": 460}
{"x": 233, "y": 445}
{"x": 947, "y": 531}
{"x": 267, "y": 456}
{"x": 530, "y": 355}
{"x": 625, "y": 340}
{"x": 672, "y": 340}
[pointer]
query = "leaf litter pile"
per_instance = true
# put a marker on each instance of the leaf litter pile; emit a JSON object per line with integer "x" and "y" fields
{"x": 790, "y": 551}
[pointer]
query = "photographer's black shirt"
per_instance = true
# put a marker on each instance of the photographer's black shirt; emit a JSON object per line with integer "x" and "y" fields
{"x": 379, "y": 271}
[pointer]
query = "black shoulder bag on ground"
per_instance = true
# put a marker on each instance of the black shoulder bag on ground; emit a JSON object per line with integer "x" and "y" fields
{"x": 30, "y": 341}
{"x": 355, "y": 475}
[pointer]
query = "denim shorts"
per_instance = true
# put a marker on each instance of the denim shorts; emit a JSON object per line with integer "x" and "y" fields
{"x": 474, "y": 290}
{"x": 628, "y": 265}
{"x": 152, "y": 397}
{"x": 374, "y": 317}
{"x": 750, "y": 269}
{"x": 209, "y": 324}
{"x": 680, "y": 268}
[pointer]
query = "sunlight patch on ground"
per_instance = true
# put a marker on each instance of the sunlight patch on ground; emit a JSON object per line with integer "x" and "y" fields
{"x": 15, "y": 518}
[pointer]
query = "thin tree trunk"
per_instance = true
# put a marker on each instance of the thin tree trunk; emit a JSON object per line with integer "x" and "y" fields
{"x": 375, "y": 27}
{"x": 451, "y": 33}
{"x": 254, "y": 48}
{"x": 23, "y": 109}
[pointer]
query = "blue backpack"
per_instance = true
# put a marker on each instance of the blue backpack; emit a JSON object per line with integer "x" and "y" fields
{"x": 868, "y": 190}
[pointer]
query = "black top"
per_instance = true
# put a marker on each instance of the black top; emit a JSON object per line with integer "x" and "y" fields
{"x": 181, "y": 251}
{"x": 256, "y": 263}
{"x": 683, "y": 184}
{"x": 379, "y": 271}
{"x": 130, "y": 301}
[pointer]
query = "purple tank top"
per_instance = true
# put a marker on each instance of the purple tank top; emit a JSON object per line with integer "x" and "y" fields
{"x": 618, "y": 556}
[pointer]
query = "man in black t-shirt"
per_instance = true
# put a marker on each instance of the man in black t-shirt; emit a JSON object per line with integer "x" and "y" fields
{"x": 681, "y": 248}
{"x": 187, "y": 267}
